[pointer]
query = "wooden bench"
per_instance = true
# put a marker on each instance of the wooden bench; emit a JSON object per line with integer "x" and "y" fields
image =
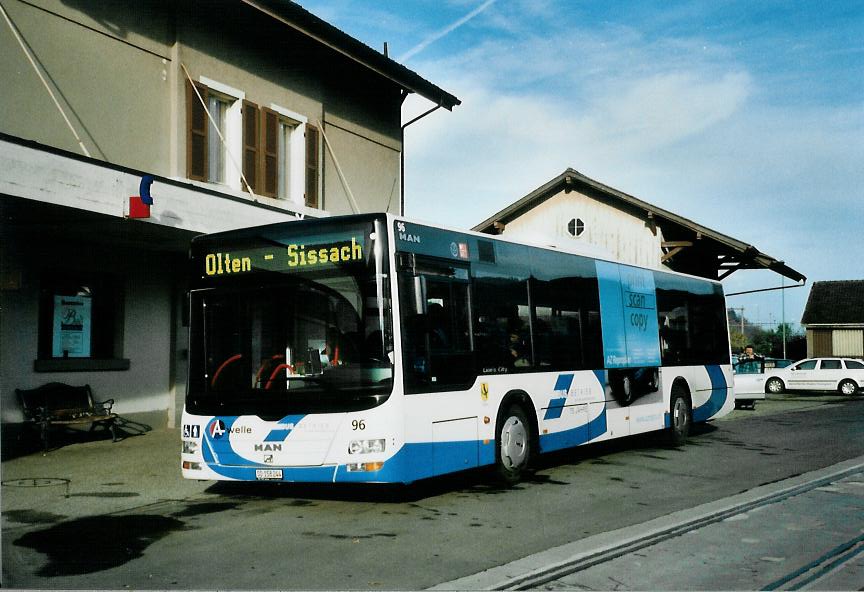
{"x": 58, "y": 404}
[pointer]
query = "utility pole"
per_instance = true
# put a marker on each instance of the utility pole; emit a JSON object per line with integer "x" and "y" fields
{"x": 783, "y": 313}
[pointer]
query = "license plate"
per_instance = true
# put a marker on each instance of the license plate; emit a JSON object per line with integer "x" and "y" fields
{"x": 268, "y": 474}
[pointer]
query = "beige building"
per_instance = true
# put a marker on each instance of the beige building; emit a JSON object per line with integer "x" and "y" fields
{"x": 226, "y": 114}
{"x": 577, "y": 213}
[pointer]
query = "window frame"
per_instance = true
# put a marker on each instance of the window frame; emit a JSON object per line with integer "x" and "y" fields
{"x": 232, "y": 133}
{"x": 294, "y": 158}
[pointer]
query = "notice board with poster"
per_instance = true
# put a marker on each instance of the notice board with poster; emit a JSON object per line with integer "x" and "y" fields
{"x": 72, "y": 324}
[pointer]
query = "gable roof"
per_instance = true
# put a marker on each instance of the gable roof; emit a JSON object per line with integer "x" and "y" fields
{"x": 695, "y": 246}
{"x": 300, "y": 19}
{"x": 836, "y": 302}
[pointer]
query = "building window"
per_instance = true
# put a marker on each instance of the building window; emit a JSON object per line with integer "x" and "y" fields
{"x": 575, "y": 227}
{"x": 212, "y": 147}
{"x": 279, "y": 152}
{"x": 287, "y": 130}
{"x": 80, "y": 320}
{"x": 218, "y": 107}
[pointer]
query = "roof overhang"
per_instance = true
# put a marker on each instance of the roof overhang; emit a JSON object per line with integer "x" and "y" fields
{"x": 687, "y": 246}
{"x": 303, "y": 21}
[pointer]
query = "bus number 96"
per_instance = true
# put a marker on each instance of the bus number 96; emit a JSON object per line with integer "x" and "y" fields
{"x": 358, "y": 424}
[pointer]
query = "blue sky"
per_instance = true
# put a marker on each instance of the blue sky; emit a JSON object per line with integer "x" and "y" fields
{"x": 746, "y": 117}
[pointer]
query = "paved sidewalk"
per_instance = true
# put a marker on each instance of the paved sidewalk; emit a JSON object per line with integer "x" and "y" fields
{"x": 806, "y": 532}
{"x": 96, "y": 477}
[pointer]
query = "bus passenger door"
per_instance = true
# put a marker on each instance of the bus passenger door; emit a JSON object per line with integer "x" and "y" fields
{"x": 438, "y": 359}
{"x": 437, "y": 341}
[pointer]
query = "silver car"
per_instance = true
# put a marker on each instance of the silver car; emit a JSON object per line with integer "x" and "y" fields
{"x": 818, "y": 374}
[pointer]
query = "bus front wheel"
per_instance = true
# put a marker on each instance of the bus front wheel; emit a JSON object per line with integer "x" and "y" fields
{"x": 513, "y": 445}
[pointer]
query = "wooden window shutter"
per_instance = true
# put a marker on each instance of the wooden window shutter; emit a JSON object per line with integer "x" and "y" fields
{"x": 197, "y": 127}
{"x": 270, "y": 152}
{"x": 250, "y": 146}
{"x": 313, "y": 149}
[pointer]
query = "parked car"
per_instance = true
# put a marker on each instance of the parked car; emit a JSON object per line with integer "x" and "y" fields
{"x": 749, "y": 379}
{"x": 817, "y": 374}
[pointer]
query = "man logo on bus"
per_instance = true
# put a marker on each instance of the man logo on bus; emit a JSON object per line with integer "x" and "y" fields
{"x": 216, "y": 429}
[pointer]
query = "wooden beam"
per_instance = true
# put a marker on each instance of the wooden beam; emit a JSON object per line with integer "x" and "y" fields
{"x": 672, "y": 253}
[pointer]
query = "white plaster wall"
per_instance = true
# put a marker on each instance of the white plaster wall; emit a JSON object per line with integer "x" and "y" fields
{"x": 608, "y": 230}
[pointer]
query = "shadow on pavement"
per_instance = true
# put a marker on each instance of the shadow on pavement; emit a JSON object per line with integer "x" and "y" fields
{"x": 22, "y": 439}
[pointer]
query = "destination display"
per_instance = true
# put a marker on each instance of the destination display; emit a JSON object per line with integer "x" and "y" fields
{"x": 306, "y": 253}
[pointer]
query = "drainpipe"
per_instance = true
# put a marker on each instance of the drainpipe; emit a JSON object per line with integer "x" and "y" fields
{"x": 402, "y": 159}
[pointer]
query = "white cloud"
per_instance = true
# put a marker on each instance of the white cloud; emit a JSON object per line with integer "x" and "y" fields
{"x": 498, "y": 143}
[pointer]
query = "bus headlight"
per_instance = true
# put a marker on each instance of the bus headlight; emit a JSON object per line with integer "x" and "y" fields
{"x": 368, "y": 467}
{"x": 366, "y": 446}
{"x": 190, "y": 446}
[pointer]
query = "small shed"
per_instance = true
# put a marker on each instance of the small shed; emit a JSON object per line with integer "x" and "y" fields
{"x": 834, "y": 319}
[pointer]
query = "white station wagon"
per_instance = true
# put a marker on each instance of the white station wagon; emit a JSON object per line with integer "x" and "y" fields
{"x": 817, "y": 374}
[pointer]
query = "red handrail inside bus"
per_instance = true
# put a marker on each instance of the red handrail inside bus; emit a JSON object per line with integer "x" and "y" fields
{"x": 230, "y": 360}
{"x": 275, "y": 372}
{"x": 265, "y": 365}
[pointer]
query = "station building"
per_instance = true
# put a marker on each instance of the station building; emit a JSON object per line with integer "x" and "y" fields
{"x": 127, "y": 128}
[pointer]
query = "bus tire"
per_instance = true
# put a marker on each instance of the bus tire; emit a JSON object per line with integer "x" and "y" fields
{"x": 680, "y": 416}
{"x": 512, "y": 445}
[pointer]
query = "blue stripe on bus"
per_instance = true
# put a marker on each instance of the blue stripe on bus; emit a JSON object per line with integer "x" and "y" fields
{"x": 715, "y": 402}
{"x": 576, "y": 436}
{"x": 563, "y": 382}
{"x": 279, "y": 435}
{"x": 556, "y": 407}
{"x": 719, "y": 391}
{"x": 601, "y": 378}
{"x": 218, "y": 451}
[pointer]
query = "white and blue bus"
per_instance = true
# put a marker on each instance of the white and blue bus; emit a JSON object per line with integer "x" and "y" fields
{"x": 371, "y": 348}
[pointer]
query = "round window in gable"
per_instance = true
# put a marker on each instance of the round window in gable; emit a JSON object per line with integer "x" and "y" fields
{"x": 575, "y": 227}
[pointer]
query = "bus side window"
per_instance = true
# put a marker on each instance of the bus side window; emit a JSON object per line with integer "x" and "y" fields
{"x": 503, "y": 324}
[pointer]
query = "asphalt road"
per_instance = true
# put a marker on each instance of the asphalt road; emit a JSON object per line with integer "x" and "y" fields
{"x": 252, "y": 536}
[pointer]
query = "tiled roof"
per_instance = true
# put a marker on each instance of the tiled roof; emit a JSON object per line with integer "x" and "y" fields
{"x": 836, "y": 302}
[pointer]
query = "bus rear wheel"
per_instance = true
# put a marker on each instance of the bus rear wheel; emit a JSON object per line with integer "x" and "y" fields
{"x": 680, "y": 416}
{"x": 512, "y": 445}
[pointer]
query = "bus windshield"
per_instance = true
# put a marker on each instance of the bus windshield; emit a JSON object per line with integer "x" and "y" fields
{"x": 295, "y": 323}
